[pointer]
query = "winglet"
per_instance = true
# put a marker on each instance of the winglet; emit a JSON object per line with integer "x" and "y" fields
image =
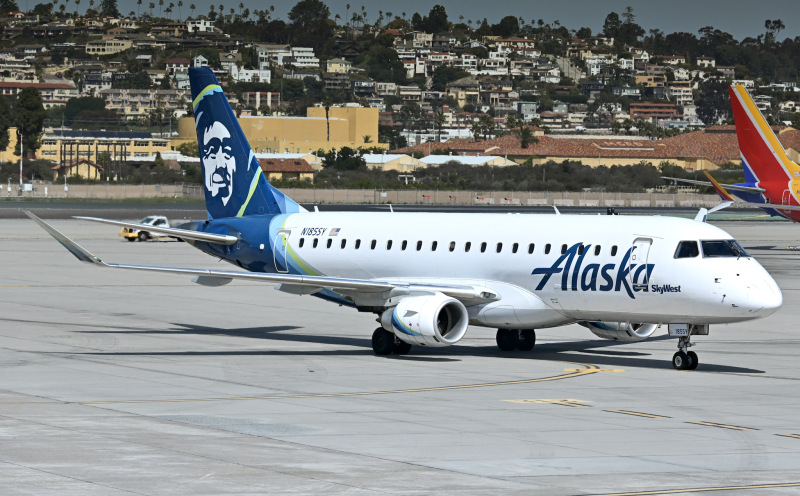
{"x": 702, "y": 215}
{"x": 73, "y": 247}
{"x": 718, "y": 188}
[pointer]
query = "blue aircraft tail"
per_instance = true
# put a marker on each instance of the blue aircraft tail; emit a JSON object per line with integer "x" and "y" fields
{"x": 234, "y": 184}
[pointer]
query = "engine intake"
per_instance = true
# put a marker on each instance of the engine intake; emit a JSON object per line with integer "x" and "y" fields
{"x": 620, "y": 331}
{"x": 433, "y": 320}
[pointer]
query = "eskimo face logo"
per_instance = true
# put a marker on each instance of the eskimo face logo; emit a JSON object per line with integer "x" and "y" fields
{"x": 219, "y": 164}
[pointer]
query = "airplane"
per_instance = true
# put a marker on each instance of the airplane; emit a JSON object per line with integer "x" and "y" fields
{"x": 772, "y": 179}
{"x": 427, "y": 276}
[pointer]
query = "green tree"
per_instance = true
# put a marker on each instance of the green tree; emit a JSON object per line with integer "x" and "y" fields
{"x": 8, "y": 6}
{"x": 109, "y": 8}
{"x": 188, "y": 149}
{"x": 612, "y": 25}
{"x": 158, "y": 161}
{"x": 344, "y": 160}
{"x": 75, "y": 106}
{"x": 436, "y": 21}
{"x": 29, "y": 114}
{"x": 5, "y": 122}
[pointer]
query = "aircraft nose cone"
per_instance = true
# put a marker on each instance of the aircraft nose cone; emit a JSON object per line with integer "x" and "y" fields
{"x": 765, "y": 298}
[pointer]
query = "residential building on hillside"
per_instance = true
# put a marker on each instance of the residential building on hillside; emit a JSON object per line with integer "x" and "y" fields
{"x": 132, "y": 104}
{"x": 53, "y": 94}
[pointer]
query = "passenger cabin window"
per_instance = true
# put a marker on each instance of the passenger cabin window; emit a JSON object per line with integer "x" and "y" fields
{"x": 302, "y": 242}
{"x": 547, "y": 249}
{"x": 514, "y": 247}
{"x": 358, "y": 244}
{"x": 434, "y": 245}
{"x": 687, "y": 249}
{"x": 614, "y": 250}
{"x": 452, "y": 246}
{"x": 419, "y": 245}
{"x": 597, "y": 250}
{"x": 389, "y": 245}
{"x": 499, "y": 247}
{"x": 581, "y": 249}
{"x": 315, "y": 243}
{"x": 530, "y": 248}
{"x": 723, "y": 248}
{"x": 467, "y": 246}
{"x": 404, "y": 245}
{"x": 373, "y": 244}
{"x": 329, "y": 243}
{"x": 483, "y": 247}
{"x": 344, "y": 243}
{"x": 563, "y": 249}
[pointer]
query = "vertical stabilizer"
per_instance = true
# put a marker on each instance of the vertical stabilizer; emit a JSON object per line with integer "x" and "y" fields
{"x": 234, "y": 184}
{"x": 763, "y": 157}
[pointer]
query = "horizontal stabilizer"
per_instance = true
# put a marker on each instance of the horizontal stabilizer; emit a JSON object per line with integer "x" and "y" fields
{"x": 731, "y": 187}
{"x": 222, "y": 239}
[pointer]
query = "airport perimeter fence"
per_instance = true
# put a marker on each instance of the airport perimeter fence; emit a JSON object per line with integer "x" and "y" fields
{"x": 375, "y": 196}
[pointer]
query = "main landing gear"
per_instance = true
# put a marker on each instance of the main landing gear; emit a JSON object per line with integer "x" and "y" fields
{"x": 516, "y": 339}
{"x": 386, "y": 343}
{"x": 682, "y": 359}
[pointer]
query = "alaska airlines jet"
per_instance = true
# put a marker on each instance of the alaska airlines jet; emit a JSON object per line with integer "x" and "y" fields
{"x": 426, "y": 276}
{"x": 772, "y": 179}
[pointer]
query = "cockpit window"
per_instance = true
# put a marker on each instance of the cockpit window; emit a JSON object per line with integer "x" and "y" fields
{"x": 723, "y": 248}
{"x": 687, "y": 249}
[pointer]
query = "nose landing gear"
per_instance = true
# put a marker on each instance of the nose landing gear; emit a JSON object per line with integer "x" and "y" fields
{"x": 682, "y": 359}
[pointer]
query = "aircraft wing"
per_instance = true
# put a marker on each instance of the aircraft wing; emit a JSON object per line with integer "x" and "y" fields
{"x": 732, "y": 187}
{"x": 222, "y": 239}
{"x": 219, "y": 277}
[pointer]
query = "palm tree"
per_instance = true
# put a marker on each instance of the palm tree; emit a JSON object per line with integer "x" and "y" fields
{"x": 192, "y": 7}
{"x": 152, "y": 6}
{"x": 138, "y": 7}
{"x": 241, "y": 7}
{"x": 180, "y": 4}
{"x": 77, "y": 6}
{"x": 160, "y": 4}
{"x": 525, "y": 136}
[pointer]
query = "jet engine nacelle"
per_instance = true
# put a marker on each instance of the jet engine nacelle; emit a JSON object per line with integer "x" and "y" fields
{"x": 621, "y": 331}
{"x": 430, "y": 320}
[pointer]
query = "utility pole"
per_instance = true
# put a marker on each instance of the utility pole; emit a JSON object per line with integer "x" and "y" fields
{"x": 21, "y": 157}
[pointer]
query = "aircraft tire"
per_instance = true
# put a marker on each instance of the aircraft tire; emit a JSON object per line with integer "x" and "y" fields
{"x": 694, "y": 361}
{"x": 680, "y": 361}
{"x": 527, "y": 339}
{"x": 507, "y": 339}
{"x": 131, "y": 239}
{"x": 382, "y": 341}
{"x": 143, "y": 236}
{"x": 401, "y": 347}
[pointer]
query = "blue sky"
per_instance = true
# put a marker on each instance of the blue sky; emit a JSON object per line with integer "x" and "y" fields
{"x": 741, "y": 18}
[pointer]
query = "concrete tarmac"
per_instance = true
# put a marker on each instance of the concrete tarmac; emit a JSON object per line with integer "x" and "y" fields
{"x": 116, "y": 382}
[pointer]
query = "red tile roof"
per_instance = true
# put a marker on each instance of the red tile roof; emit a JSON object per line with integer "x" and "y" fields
{"x": 284, "y": 165}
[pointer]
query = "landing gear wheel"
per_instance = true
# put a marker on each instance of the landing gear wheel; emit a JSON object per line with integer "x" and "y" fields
{"x": 400, "y": 347}
{"x": 131, "y": 239}
{"x": 507, "y": 339}
{"x": 382, "y": 341}
{"x": 143, "y": 236}
{"x": 527, "y": 339}
{"x": 693, "y": 361}
{"x": 680, "y": 361}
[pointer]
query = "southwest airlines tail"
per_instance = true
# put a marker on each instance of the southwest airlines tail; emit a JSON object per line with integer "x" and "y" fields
{"x": 763, "y": 158}
{"x": 234, "y": 184}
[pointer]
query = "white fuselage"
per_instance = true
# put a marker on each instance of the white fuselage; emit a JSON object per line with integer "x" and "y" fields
{"x": 547, "y": 269}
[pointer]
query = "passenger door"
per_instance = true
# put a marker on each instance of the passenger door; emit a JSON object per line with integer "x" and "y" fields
{"x": 280, "y": 247}
{"x": 638, "y": 277}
